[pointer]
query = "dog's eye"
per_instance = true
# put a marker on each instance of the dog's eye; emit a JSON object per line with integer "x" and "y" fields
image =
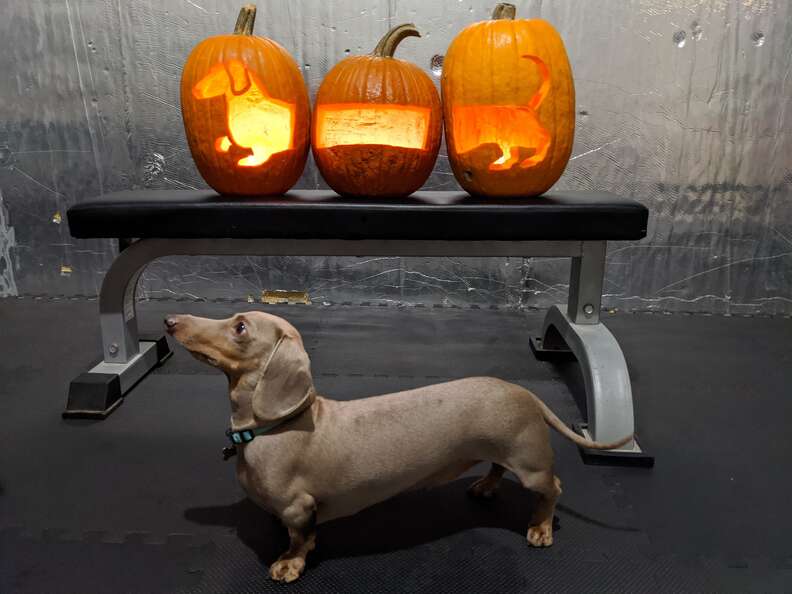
{"x": 240, "y": 328}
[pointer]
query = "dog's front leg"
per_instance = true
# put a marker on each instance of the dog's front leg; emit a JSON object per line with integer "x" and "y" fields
{"x": 300, "y": 519}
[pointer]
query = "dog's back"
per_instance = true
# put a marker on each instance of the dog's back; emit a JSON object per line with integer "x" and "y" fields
{"x": 259, "y": 122}
{"x": 360, "y": 452}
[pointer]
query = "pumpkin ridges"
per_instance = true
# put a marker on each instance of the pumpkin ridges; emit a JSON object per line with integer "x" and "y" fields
{"x": 449, "y": 72}
{"x": 556, "y": 105}
{"x": 200, "y": 58}
{"x": 551, "y": 106}
{"x": 491, "y": 70}
{"x": 547, "y": 109}
{"x": 558, "y": 151}
{"x": 413, "y": 91}
{"x": 359, "y": 82}
{"x": 387, "y": 99}
{"x": 516, "y": 59}
{"x": 357, "y": 85}
{"x": 361, "y": 88}
{"x": 410, "y": 81}
{"x": 448, "y": 69}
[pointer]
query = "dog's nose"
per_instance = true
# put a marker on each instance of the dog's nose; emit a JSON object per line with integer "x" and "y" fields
{"x": 170, "y": 323}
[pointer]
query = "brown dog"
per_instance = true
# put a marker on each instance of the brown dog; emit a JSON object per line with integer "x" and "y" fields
{"x": 318, "y": 459}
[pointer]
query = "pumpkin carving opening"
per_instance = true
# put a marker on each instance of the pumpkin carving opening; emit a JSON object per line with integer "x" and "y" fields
{"x": 514, "y": 129}
{"x": 256, "y": 121}
{"x": 345, "y": 124}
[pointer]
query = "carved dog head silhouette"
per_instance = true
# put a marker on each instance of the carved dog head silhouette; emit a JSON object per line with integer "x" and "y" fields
{"x": 511, "y": 127}
{"x": 256, "y": 121}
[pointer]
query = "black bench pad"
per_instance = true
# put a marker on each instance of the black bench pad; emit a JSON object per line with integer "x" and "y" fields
{"x": 321, "y": 214}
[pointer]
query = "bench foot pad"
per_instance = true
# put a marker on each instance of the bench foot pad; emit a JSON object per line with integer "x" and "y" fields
{"x": 545, "y": 354}
{"x": 629, "y": 456}
{"x": 98, "y": 392}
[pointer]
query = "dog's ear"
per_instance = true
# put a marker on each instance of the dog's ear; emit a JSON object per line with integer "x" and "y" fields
{"x": 213, "y": 84}
{"x": 285, "y": 384}
{"x": 238, "y": 74}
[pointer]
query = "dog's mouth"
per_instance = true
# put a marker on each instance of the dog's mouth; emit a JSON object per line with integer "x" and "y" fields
{"x": 205, "y": 358}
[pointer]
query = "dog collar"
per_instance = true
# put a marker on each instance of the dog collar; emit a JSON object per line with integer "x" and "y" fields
{"x": 247, "y": 435}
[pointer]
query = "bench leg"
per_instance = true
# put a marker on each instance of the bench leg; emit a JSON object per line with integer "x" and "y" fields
{"x": 126, "y": 357}
{"x": 575, "y": 331}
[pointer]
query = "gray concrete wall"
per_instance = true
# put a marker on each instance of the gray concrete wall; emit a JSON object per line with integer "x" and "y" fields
{"x": 685, "y": 106}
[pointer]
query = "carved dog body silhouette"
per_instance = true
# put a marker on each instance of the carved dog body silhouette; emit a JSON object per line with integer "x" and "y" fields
{"x": 256, "y": 121}
{"x": 511, "y": 127}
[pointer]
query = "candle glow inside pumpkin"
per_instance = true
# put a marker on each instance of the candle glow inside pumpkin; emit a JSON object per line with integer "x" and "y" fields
{"x": 515, "y": 129}
{"x": 342, "y": 124}
{"x": 256, "y": 121}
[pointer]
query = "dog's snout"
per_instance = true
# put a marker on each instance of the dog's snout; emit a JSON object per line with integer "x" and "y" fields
{"x": 170, "y": 323}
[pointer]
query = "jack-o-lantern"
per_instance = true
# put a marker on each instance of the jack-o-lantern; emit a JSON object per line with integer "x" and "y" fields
{"x": 376, "y": 124}
{"x": 509, "y": 106}
{"x": 246, "y": 112}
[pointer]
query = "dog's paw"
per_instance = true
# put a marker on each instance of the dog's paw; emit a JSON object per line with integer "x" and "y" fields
{"x": 541, "y": 535}
{"x": 287, "y": 570}
{"x": 483, "y": 488}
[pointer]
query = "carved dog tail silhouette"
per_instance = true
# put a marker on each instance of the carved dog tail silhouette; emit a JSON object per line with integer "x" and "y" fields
{"x": 511, "y": 127}
{"x": 544, "y": 87}
{"x": 256, "y": 121}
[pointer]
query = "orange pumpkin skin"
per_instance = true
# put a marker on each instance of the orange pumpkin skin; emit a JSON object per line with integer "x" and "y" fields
{"x": 508, "y": 106}
{"x": 386, "y": 91}
{"x": 267, "y": 69}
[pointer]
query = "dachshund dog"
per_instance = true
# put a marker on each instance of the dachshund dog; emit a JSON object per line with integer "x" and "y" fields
{"x": 514, "y": 129}
{"x": 256, "y": 121}
{"x": 309, "y": 459}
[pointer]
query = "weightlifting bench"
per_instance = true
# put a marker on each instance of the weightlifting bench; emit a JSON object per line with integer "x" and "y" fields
{"x": 575, "y": 225}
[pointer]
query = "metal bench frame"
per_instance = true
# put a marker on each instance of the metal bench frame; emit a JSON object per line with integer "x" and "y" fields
{"x": 574, "y": 328}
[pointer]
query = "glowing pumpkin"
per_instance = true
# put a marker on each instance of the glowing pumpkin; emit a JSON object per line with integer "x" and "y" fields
{"x": 246, "y": 112}
{"x": 509, "y": 106}
{"x": 376, "y": 125}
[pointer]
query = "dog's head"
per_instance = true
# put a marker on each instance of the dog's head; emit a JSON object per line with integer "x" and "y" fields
{"x": 231, "y": 76}
{"x": 263, "y": 356}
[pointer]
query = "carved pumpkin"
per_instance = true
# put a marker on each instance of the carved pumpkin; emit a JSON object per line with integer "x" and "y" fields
{"x": 509, "y": 106}
{"x": 246, "y": 112}
{"x": 376, "y": 125}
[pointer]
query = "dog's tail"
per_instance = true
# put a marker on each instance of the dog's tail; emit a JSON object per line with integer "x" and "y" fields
{"x": 544, "y": 87}
{"x": 559, "y": 425}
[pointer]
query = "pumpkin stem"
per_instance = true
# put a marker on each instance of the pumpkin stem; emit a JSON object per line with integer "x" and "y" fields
{"x": 245, "y": 20}
{"x": 504, "y": 10}
{"x": 387, "y": 45}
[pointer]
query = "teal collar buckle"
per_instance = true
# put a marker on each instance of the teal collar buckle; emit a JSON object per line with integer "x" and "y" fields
{"x": 247, "y": 435}
{"x": 244, "y": 436}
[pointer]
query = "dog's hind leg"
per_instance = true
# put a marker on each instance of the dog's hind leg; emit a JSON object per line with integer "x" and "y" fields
{"x": 541, "y": 150}
{"x": 486, "y": 486}
{"x": 300, "y": 519}
{"x": 548, "y": 487}
{"x": 506, "y": 161}
{"x": 260, "y": 156}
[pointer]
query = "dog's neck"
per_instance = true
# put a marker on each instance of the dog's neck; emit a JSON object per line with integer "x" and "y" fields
{"x": 240, "y": 392}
